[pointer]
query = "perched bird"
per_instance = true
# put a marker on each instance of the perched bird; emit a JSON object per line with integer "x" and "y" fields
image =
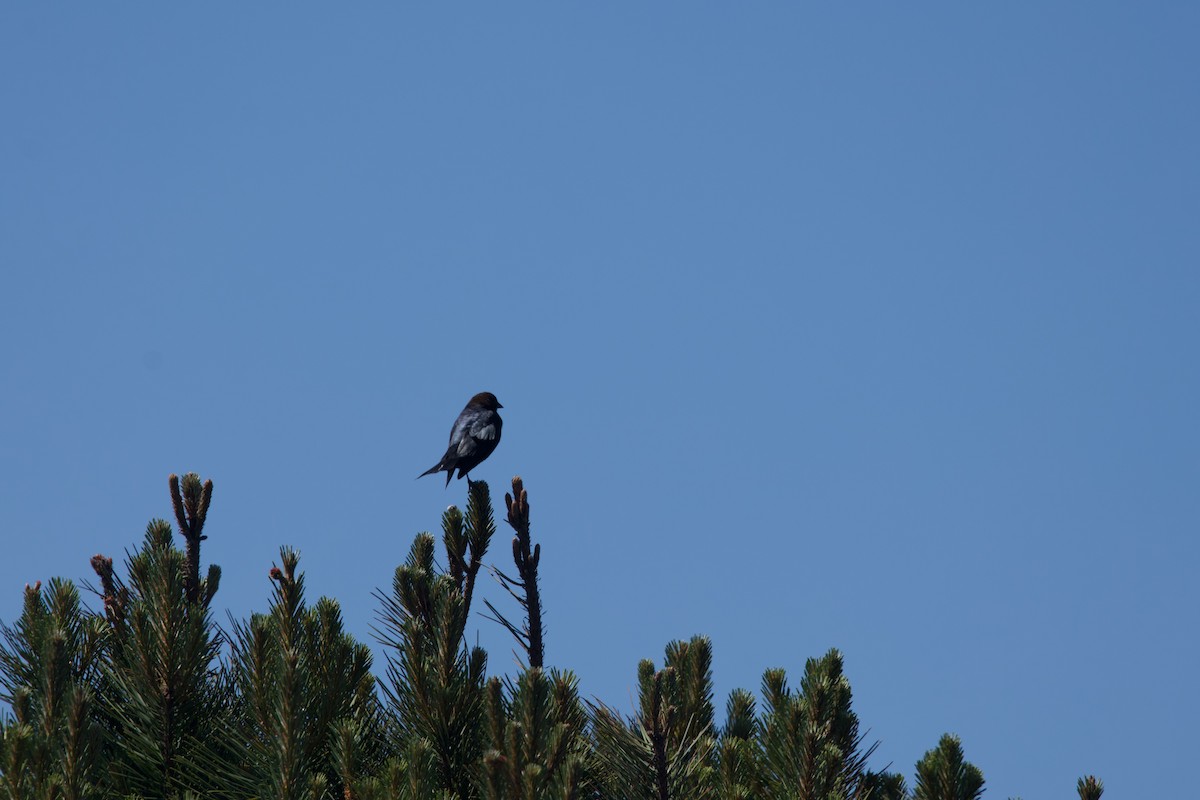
{"x": 474, "y": 436}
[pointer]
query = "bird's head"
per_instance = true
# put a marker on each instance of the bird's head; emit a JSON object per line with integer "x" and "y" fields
{"x": 485, "y": 400}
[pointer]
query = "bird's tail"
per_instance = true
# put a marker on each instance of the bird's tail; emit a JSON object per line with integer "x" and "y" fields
{"x": 438, "y": 467}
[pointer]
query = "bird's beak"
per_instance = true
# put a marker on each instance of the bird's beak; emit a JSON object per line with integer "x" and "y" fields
{"x": 499, "y": 406}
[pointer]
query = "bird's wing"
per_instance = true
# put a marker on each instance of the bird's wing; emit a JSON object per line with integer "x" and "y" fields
{"x": 461, "y": 429}
{"x": 479, "y": 429}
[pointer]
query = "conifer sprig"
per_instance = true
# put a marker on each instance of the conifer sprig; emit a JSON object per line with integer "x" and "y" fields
{"x": 537, "y": 727}
{"x": 435, "y": 684}
{"x": 945, "y": 774}
{"x": 191, "y": 510}
{"x": 307, "y": 712}
{"x": 667, "y": 750}
{"x": 524, "y": 589}
{"x": 161, "y": 689}
{"x": 811, "y": 742}
{"x": 1090, "y": 788}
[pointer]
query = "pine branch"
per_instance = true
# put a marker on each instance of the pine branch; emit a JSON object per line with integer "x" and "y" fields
{"x": 524, "y": 590}
{"x": 114, "y": 595}
{"x": 538, "y": 740}
{"x": 811, "y": 739}
{"x": 945, "y": 774}
{"x": 435, "y": 684}
{"x": 161, "y": 695}
{"x": 661, "y": 721}
{"x": 1090, "y": 788}
{"x": 480, "y": 527}
{"x": 191, "y": 510}
{"x": 517, "y": 504}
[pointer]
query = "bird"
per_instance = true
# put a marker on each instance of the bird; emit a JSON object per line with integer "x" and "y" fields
{"x": 474, "y": 436}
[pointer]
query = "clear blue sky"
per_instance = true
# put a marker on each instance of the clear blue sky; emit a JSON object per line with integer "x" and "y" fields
{"x": 859, "y": 325}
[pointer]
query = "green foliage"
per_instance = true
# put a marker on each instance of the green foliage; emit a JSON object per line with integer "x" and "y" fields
{"x": 163, "y": 700}
{"x": 435, "y": 684}
{"x": 740, "y": 756}
{"x": 668, "y": 749}
{"x": 306, "y": 702}
{"x": 466, "y": 538}
{"x": 538, "y": 744}
{"x": 1090, "y": 788}
{"x": 137, "y": 702}
{"x": 49, "y": 661}
{"x": 812, "y": 749}
{"x": 944, "y": 774}
{"x": 883, "y": 786}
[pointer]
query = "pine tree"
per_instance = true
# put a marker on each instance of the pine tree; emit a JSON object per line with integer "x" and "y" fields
{"x": 136, "y": 701}
{"x": 1090, "y": 788}
{"x": 164, "y": 704}
{"x": 811, "y": 742}
{"x": 538, "y": 738}
{"x": 740, "y": 774}
{"x": 667, "y": 749}
{"x": 49, "y": 661}
{"x": 306, "y": 703}
{"x": 435, "y": 684}
{"x": 944, "y": 774}
{"x": 882, "y": 786}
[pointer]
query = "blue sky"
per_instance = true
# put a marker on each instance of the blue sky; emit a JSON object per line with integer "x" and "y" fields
{"x": 871, "y": 327}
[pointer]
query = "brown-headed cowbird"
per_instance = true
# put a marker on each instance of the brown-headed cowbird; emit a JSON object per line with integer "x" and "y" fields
{"x": 474, "y": 436}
